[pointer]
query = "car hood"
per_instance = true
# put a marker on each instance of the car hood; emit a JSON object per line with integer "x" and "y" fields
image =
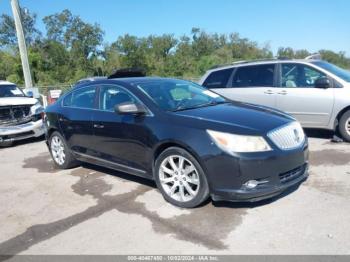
{"x": 238, "y": 117}
{"x": 17, "y": 101}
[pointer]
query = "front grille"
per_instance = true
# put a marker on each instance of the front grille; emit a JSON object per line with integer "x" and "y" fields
{"x": 292, "y": 174}
{"x": 15, "y": 115}
{"x": 288, "y": 137}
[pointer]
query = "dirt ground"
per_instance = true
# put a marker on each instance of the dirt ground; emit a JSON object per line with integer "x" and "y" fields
{"x": 91, "y": 210}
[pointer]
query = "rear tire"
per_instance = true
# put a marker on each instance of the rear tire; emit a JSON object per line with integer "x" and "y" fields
{"x": 180, "y": 178}
{"x": 60, "y": 152}
{"x": 344, "y": 126}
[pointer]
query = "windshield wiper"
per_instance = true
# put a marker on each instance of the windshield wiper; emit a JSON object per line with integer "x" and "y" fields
{"x": 212, "y": 103}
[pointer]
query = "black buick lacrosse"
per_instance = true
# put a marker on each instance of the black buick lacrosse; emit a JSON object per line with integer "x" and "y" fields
{"x": 192, "y": 142}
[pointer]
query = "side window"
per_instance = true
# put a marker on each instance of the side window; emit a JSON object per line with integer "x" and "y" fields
{"x": 110, "y": 96}
{"x": 299, "y": 75}
{"x": 218, "y": 79}
{"x": 67, "y": 101}
{"x": 254, "y": 76}
{"x": 83, "y": 98}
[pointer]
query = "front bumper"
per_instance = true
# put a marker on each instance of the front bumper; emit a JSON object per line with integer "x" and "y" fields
{"x": 276, "y": 172}
{"x": 261, "y": 192}
{"x": 10, "y": 134}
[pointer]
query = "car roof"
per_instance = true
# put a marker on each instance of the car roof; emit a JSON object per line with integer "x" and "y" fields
{"x": 260, "y": 62}
{"x": 125, "y": 80}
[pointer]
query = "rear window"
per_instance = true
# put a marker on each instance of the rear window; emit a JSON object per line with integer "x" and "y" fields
{"x": 254, "y": 76}
{"x": 218, "y": 79}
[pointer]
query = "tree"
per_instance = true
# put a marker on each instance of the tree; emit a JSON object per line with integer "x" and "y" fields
{"x": 82, "y": 38}
{"x": 8, "y": 30}
{"x": 132, "y": 50}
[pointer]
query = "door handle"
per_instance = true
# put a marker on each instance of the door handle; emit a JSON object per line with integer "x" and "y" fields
{"x": 284, "y": 92}
{"x": 269, "y": 92}
{"x": 99, "y": 126}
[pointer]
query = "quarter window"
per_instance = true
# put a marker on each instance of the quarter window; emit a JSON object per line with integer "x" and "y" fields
{"x": 254, "y": 76}
{"x": 218, "y": 79}
{"x": 110, "y": 96}
{"x": 299, "y": 75}
{"x": 81, "y": 98}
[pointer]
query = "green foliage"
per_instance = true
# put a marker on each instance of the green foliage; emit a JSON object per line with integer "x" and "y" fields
{"x": 8, "y": 29}
{"x": 73, "y": 49}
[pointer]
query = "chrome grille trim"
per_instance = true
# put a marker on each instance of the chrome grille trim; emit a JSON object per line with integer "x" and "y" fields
{"x": 287, "y": 137}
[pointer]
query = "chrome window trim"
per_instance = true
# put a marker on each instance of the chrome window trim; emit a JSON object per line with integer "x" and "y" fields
{"x": 149, "y": 114}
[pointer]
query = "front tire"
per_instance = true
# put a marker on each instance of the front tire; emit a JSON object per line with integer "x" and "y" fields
{"x": 180, "y": 178}
{"x": 344, "y": 126}
{"x": 60, "y": 152}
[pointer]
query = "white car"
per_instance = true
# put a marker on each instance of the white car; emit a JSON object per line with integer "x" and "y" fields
{"x": 20, "y": 115}
{"x": 315, "y": 92}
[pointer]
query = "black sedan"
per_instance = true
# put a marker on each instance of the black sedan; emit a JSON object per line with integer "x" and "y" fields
{"x": 191, "y": 141}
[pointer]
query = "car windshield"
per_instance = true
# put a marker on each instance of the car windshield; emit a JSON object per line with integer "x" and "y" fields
{"x": 342, "y": 73}
{"x": 177, "y": 95}
{"x": 10, "y": 91}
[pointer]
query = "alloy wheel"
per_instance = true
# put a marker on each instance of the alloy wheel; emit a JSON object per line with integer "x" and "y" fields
{"x": 57, "y": 150}
{"x": 347, "y": 126}
{"x": 179, "y": 178}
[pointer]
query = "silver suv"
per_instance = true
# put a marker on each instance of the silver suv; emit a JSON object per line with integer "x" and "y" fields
{"x": 315, "y": 92}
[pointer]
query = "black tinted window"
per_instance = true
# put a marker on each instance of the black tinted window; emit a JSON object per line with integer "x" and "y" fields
{"x": 218, "y": 79}
{"x": 254, "y": 76}
{"x": 110, "y": 96}
{"x": 83, "y": 97}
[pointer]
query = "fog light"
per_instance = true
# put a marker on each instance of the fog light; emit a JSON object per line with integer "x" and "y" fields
{"x": 251, "y": 184}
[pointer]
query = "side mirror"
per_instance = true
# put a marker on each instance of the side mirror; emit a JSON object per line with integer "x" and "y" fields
{"x": 322, "y": 82}
{"x": 130, "y": 108}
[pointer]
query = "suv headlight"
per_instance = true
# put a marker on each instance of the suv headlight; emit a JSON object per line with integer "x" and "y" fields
{"x": 36, "y": 108}
{"x": 232, "y": 143}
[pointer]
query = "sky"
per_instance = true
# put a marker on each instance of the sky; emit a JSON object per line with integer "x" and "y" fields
{"x": 300, "y": 24}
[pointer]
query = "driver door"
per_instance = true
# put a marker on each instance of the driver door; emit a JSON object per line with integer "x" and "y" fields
{"x": 120, "y": 140}
{"x": 297, "y": 95}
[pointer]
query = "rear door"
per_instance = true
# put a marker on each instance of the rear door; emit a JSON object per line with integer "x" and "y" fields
{"x": 76, "y": 119}
{"x": 252, "y": 84}
{"x": 298, "y": 96}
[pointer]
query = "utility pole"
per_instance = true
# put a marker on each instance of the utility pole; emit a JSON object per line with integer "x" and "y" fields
{"x": 21, "y": 43}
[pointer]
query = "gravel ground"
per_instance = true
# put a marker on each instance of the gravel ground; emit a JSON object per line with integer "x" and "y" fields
{"x": 91, "y": 210}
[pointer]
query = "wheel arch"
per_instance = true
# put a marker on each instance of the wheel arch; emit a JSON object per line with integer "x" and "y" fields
{"x": 339, "y": 115}
{"x": 50, "y": 131}
{"x": 168, "y": 144}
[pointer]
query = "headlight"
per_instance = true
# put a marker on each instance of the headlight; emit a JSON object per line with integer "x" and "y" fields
{"x": 36, "y": 108}
{"x": 232, "y": 143}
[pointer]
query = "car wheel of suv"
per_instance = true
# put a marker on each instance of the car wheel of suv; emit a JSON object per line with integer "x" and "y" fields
{"x": 180, "y": 178}
{"x": 61, "y": 155}
{"x": 344, "y": 126}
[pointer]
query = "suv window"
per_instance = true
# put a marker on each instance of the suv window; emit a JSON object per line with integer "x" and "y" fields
{"x": 218, "y": 79}
{"x": 254, "y": 76}
{"x": 299, "y": 75}
{"x": 110, "y": 96}
{"x": 81, "y": 98}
